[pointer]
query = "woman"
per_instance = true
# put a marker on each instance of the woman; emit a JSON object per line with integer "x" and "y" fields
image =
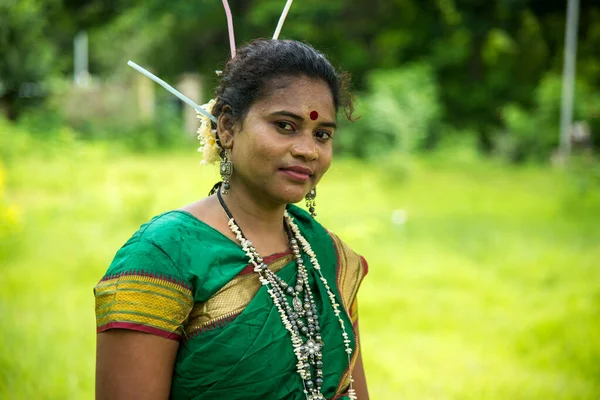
{"x": 242, "y": 295}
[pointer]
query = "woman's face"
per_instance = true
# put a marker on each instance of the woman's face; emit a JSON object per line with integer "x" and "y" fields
{"x": 283, "y": 146}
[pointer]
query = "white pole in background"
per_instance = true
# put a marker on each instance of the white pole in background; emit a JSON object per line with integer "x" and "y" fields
{"x": 80, "y": 64}
{"x": 568, "y": 88}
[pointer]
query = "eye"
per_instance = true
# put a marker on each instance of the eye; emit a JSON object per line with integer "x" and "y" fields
{"x": 323, "y": 135}
{"x": 285, "y": 126}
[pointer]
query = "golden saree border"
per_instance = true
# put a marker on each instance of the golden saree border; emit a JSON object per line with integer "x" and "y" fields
{"x": 144, "y": 302}
{"x": 354, "y": 312}
{"x": 351, "y": 269}
{"x": 225, "y": 305}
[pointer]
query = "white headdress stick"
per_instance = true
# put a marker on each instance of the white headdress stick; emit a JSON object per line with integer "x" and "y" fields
{"x": 171, "y": 89}
{"x": 231, "y": 45}
{"x": 230, "y": 27}
{"x": 282, "y": 19}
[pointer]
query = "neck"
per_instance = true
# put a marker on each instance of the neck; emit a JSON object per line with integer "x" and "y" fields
{"x": 256, "y": 216}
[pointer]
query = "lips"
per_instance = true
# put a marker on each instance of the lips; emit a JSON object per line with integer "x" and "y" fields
{"x": 297, "y": 172}
{"x": 299, "y": 169}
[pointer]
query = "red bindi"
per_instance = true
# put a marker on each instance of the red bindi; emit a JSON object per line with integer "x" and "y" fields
{"x": 314, "y": 115}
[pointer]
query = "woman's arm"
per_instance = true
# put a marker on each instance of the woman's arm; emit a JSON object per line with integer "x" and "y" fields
{"x": 358, "y": 374}
{"x": 133, "y": 365}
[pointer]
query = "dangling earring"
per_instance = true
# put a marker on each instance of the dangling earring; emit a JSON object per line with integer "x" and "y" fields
{"x": 226, "y": 171}
{"x": 310, "y": 202}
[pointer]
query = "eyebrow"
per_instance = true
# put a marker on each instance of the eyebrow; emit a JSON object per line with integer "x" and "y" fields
{"x": 299, "y": 118}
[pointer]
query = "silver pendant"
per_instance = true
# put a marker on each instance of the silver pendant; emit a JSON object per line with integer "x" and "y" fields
{"x": 297, "y": 304}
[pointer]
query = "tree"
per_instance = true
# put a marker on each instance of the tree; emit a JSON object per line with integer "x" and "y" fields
{"x": 28, "y": 53}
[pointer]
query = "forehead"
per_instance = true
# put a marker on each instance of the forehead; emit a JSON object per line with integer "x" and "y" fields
{"x": 299, "y": 95}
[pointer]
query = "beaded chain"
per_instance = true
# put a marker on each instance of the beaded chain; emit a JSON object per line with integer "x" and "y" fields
{"x": 300, "y": 318}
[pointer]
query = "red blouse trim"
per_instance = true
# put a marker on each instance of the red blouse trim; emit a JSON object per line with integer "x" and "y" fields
{"x": 138, "y": 327}
{"x": 248, "y": 269}
{"x": 365, "y": 265}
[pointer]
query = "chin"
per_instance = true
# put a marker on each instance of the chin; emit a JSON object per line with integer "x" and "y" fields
{"x": 292, "y": 195}
{"x": 293, "y": 199}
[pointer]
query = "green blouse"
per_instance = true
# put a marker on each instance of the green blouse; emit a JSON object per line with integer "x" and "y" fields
{"x": 181, "y": 279}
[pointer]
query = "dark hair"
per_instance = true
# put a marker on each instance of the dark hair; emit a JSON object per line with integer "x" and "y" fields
{"x": 247, "y": 75}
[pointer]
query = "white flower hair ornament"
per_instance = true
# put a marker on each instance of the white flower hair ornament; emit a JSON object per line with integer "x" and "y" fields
{"x": 209, "y": 146}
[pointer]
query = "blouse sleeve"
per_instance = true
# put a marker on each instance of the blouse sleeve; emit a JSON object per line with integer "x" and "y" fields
{"x": 351, "y": 269}
{"x": 143, "y": 290}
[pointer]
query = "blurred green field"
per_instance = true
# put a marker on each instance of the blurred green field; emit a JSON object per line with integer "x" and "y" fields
{"x": 489, "y": 290}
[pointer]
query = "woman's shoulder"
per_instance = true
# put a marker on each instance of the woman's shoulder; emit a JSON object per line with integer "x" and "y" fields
{"x": 311, "y": 227}
{"x": 344, "y": 251}
{"x": 317, "y": 234}
{"x": 169, "y": 225}
{"x": 164, "y": 239}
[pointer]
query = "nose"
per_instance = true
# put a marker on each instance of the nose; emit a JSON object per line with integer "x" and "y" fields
{"x": 305, "y": 147}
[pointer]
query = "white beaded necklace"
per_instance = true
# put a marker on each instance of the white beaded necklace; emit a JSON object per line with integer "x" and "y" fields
{"x": 308, "y": 352}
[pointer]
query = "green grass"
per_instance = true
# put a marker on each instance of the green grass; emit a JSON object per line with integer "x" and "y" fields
{"x": 490, "y": 290}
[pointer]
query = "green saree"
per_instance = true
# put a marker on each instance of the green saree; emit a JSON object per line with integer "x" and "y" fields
{"x": 181, "y": 279}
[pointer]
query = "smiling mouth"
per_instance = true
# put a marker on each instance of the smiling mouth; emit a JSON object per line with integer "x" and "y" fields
{"x": 296, "y": 174}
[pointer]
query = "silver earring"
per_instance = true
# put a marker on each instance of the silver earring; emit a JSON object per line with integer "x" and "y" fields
{"x": 310, "y": 202}
{"x": 226, "y": 171}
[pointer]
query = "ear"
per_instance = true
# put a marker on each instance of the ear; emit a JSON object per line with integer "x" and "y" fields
{"x": 226, "y": 128}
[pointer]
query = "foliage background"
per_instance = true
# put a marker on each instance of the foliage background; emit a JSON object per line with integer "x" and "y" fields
{"x": 488, "y": 61}
{"x": 483, "y": 253}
